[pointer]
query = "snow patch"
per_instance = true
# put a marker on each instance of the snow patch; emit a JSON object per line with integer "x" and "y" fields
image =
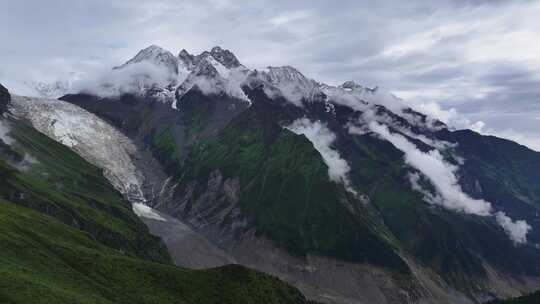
{"x": 289, "y": 83}
{"x": 142, "y": 210}
{"x": 220, "y": 68}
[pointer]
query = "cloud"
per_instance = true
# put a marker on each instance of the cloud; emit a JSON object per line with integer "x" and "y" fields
{"x": 131, "y": 78}
{"x": 4, "y": 133}
{"x": 442, "y": 175}
{"x": 231, "y": 85}
{"x": 516, "y": 230}
{"x": 27, "y": 161}
{"x": 322, "y": 139}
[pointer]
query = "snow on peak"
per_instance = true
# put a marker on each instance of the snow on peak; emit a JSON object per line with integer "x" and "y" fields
{"x": 286, "y": 74}
{"x": 217, "y": 71}
{"x": 156, "y": 55}
{"x": 351, "y": 85}
{"x": 288, "y": 81}
{"x": 225, "y": 57}
{"x": 186, "y": 59}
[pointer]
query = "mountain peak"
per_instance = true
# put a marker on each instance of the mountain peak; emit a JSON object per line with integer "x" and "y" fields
{"x": 186, "y": 58}
{"x": 225, "y": 57}
{"x": 155, "y": 47}
{"x": 286, "y": 74}
{"x": 156, "y": 55}
{"x": 151, "y": 51}
{"x": 184, "y": 53}
{"x": 217, "y": 48}
{"x": 349, "y": 84}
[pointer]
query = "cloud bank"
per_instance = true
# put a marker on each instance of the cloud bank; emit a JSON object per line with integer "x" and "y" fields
{"x": 4, "y": 133}
{"x": 131, "y": 78}
{"x": 439, "y": 172}
{"x": 442, "y": 175}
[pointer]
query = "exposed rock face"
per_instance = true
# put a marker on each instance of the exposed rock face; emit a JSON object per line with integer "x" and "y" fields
{"x": 225, "y": 57}
{"x": 4, "y": 99}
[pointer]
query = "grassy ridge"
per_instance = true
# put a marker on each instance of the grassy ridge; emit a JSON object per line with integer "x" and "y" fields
{"x": 68, "y": 237}
{"x": 45, "y": 261}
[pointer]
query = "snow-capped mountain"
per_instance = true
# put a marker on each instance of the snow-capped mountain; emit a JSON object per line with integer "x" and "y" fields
{"x": 320, "y": 175}
{"x": 218, "y": 71}
{"x": 155, "y": 55}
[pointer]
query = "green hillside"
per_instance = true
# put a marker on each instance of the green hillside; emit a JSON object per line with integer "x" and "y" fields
{"x": 286, "y": 192}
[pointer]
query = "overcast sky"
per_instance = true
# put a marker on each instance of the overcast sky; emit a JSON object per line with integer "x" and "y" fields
{"x": 479, "y": 57}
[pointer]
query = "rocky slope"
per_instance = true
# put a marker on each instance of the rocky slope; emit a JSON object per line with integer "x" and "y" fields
{"x": 331, "y": 175}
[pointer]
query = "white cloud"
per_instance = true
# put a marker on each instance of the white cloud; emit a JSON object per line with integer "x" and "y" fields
{"x": 231, "y": 84}
{"x": 4, "y": 133}
{"x": 517, "y": 230}
{"x": 26, "y": 163}
{"x": 455, "y": 119}
{"x": 442, "y": 176}
{"x": 322, "y": 139}
{"x": 440, "y": 173}
{"x": 128, "y": 79}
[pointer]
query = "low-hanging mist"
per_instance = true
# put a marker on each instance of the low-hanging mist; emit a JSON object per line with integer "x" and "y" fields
{"x": 322, "y": 139}
{"x": 442, "y": 176}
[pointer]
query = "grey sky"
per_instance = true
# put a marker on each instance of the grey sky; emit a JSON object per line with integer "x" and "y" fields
{"x": 480, "y": 57}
